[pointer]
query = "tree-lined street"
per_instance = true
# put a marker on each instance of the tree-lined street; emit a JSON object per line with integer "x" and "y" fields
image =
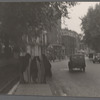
{"x": 75, "y": 83}
{"x": 35, "y": 34}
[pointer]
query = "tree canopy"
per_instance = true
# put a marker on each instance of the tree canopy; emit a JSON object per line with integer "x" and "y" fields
{"x": 91, "y": 28}
{"x": 19, "y": 18}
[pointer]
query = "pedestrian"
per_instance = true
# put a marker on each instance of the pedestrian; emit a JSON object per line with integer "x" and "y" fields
{"x": 47, "y": 66}
{"x": 43, "y": 80}
{"x": 34, "y": 70}
{"x": 25, "y": 60}
{"x": 21, "y": 59}
{"x": 40, "y": 71}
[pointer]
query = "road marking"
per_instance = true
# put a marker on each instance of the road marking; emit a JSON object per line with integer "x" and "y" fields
{"x": 64, "y": 94}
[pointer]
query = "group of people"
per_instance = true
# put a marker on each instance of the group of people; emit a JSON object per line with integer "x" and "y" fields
{"x": 34, "y": 70}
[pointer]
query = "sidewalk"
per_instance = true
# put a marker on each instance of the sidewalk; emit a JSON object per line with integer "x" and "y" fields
{"x": 32, "y": 89}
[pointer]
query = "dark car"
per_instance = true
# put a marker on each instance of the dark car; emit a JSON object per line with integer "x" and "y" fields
{"x": 77, "y": 61}
{"x": 96, "y": 58}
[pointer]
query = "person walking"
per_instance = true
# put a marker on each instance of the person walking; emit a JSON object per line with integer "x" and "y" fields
{"x": 40, "y": 71}
{"x": 43, "y": 77}
{"x": 37, "y": 70}
{"x": 34, "y": 70}
{"x": 47, "y": 66}
{"x": 24, "y": 61}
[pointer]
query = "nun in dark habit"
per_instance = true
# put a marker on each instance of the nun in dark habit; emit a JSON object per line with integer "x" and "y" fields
{"x": 34, "y": 70}
{"x": 24, "y": 60}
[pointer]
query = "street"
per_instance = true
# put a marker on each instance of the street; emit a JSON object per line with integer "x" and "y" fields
{"x": 64, "y": 83}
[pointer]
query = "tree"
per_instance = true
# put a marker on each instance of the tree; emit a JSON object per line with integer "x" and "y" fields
{"x": 17, "y": 19}
{"x": 91, "y": 28}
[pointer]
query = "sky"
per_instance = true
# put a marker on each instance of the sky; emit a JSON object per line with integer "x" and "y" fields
{"x": 76, "y": 13}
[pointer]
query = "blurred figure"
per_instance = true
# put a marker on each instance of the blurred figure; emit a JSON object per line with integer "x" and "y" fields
{"x": 24, "y": 60}
{"x": 42, "y": 68}
{"x": 34, "y": 70}
{"x": 47, "y": 65}
{"x": 37, "y": 70}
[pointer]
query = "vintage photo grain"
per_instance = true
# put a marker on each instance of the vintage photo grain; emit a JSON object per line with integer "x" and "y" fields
{"x": 50, "y": 48}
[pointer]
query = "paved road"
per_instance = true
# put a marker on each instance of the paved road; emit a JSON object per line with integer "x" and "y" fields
{"x": 76, "y": 83}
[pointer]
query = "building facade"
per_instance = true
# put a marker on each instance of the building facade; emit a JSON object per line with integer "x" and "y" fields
{"x": 35, "y": 45}
{"x": 71, "y": 41}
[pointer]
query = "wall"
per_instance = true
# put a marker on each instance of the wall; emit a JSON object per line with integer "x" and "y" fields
{"x": 34, "y": 48}
{"x": 70, "y": 41}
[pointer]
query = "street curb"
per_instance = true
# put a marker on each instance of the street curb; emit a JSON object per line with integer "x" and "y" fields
{"x": 34, "y": 89}
{"x": 13, "y": 89}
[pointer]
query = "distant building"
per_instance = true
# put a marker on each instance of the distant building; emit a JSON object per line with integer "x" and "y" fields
{"x": 70, "y": 40}
{"x": 67, "y": 38}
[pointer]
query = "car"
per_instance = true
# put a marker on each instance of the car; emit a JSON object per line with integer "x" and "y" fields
{"x": 77, "y": 61}
{"x": 96, "y": 58}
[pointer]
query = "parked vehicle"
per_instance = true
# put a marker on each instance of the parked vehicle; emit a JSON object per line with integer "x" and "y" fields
{"x": 77, "y": 61}
{"x": 96, "y": 58}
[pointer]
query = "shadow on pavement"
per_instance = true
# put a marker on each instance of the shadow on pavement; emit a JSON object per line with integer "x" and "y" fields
{"x": 76, "y": 71}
